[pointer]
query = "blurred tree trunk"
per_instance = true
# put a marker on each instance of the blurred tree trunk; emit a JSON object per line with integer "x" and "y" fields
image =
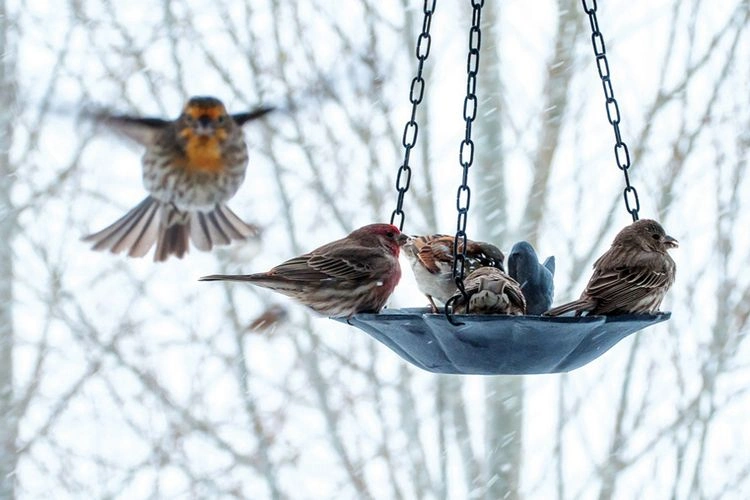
{"x": 503, "y": 395}
{"x": 8, "y": 418}
{"x": 555, "y": 98}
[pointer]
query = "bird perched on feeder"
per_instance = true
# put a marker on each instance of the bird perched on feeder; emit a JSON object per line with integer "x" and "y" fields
{"x": 631, "y": 277}
{"x": 489, "y": 291}
{"x": 192, "y": 166}
{"x": 536, "y": 279}
{"x": 431, "y": 259}
{"x": 355, "y": 274}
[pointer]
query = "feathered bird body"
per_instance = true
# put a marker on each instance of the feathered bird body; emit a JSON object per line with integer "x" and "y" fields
{"x": 490, "y": 291}
{"x": 431, "y": 259}
{"x": 632, "y": 277}
{"x": 355, "y": 274}
{"x": 191, "y": 167}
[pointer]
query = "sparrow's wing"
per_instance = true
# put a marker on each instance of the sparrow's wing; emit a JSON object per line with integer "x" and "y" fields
{"x": 242, "y": 118}
{"x": 142, "y": 130}
{"x": 435, "y": 251}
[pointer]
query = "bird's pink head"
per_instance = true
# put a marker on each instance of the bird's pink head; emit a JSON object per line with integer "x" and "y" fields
{"x": 386, "y": 234}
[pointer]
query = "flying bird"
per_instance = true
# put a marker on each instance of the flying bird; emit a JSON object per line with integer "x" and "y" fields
{"x": 355, "y": 274}
{"x": 631, "y": 277}
{"x": 269, "y": 319}
{"x": 536, "y": 279}
{"x": 192, "y": 166}
{"x": 431, "y": 259}
{"x": 489, "y": 291}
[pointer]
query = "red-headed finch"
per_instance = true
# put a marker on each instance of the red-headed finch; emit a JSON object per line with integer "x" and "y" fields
{"x": 631, "y": 277}
{"x": 192, "y": 166}
{"x": 431, "y": 259}
{"x": 355, "y": 274}
{"x": 490, "y": 291}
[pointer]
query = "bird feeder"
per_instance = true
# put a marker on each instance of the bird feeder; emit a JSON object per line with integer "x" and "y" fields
{"x": 497, "y": 344}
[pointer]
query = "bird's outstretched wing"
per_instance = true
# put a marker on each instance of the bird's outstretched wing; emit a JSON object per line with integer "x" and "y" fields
{"x": 242, "y": 118}
{"x": 140, "y": 129}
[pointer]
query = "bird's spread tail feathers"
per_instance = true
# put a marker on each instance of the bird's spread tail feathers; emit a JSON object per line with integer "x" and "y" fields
{"x": 135, "y": 232}
{"x": 171, "y": 229}
{"x": 220, "y": 226}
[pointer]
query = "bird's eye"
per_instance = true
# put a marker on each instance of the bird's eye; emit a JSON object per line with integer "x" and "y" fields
{"x": 656, "y": 236}
{"x": 189, "y": 119}
{"x": 389, "y": 234}
{"x": 221, "y": 119}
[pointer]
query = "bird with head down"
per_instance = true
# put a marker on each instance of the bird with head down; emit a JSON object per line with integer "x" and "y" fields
{"x": 431, "y": 258}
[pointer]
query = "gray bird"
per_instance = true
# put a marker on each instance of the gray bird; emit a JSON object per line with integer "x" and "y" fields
{"x": 536, "y": 279}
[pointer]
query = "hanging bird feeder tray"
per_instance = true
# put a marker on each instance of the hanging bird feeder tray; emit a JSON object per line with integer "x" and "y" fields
{"x": 498, "y": 345}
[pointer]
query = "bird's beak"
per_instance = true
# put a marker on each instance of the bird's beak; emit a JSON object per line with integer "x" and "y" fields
{"x": 204, "y": 126}
{"x": 403, "y": 239}
{"x": 670, "y": 242}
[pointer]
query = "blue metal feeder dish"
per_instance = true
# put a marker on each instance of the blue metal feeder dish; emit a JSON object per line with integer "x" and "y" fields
{"x": 496, "y": 344}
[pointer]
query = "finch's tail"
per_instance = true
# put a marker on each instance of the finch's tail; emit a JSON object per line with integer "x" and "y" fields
{"x": 261, "y": 279}
{"x": 171, "y": 229}
{"x": 579, "y": 306}
{"x": 279, "y": 284}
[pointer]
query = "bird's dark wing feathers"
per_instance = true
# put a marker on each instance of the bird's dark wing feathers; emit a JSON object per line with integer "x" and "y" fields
{"x": 350, "y": 267}
{"x": 242, "y": 118}
{"x": 626, "y": 285}
{"x": 483, "y": 254}
{"x": 348, "y": 264}
{"x": 140, "y": 129}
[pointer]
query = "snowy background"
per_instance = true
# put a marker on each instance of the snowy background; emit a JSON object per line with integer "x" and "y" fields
{"x": 120, "y": 378}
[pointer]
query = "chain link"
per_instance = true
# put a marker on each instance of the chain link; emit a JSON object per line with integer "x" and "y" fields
{"x": 622, "y": 155}
{"x": 466, "y": 153}
{"x": 411, "y": 129}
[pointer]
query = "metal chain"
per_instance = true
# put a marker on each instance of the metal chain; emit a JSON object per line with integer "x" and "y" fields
{"x": 622, "y": 156}
{"x": 416, "y": 93}
{"x": 466, "y": 153}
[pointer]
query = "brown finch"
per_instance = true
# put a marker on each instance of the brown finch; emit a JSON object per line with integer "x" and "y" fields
{"x": 631, "y": 277}
{"x": 431, "y": 259}
{"x": 490, "y": 291}
{"x": 192, "y": 166}
{"x": 355, "y": 274}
